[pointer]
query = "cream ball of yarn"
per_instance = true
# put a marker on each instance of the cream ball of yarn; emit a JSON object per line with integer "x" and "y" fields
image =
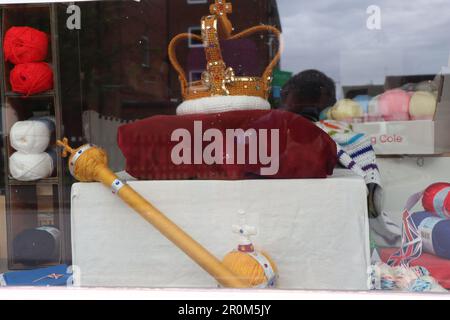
{"x": 346, "y": 109}
{"x": 422, "y": 105}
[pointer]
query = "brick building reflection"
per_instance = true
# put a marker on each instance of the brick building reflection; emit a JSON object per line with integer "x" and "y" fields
{"x": 123, "y": 51}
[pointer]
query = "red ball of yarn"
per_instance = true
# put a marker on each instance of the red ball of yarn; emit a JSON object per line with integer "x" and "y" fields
{"x": 31, "y": 78}
{"x": 25, "y": 44}
{"x": 436, "y": 199}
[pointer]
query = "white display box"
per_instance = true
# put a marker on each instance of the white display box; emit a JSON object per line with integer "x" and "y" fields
{"x": 422, "y": 137}
{"x": 316, "y": 231}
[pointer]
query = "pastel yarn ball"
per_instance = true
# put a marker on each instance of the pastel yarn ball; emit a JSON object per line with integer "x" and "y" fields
{"x": 30, "y": 167}
{"x": 394, "y": 105}
{"x": 30, "y": 136}
{"x": 346, "y": 110}
{"x": 409, "y": 87}
{"x": 429, "y": 86}
{"x": 31, "y": 78}
{"x": 363, "y": 101}
{"x": 25, "y": 44}
{"x": 325, "y": 114}
{"x": 422, "y": 105}
{"x": 374, "y": 107}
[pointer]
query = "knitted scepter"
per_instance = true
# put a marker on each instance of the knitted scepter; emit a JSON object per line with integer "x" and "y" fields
{"x": 90, "y": 164}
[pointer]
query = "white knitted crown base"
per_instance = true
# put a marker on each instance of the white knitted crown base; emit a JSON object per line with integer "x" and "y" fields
{"x": 220, "y": 104}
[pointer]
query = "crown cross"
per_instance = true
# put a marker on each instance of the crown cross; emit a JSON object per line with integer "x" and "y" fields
{"x": 221, "y": 7}
{"x": 217, "y": 76}
{"x": 66, "y": 147}
{"x": 218, "y": 80}
{"x": 245, "y": 233}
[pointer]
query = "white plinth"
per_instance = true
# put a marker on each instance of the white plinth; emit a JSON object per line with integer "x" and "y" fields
{"x": 315, "y": 230}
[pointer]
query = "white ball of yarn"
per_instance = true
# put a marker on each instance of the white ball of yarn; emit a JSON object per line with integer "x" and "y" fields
{"x": 30, "y": 136}
{"x": 374, "y": 113}
{"x": 30, "y": 167}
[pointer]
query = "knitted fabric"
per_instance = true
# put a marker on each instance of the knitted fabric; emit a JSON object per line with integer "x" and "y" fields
{"x": 220, "y": 104}
{"x": 355, "y": 151}
{"x": 415, "y": 279}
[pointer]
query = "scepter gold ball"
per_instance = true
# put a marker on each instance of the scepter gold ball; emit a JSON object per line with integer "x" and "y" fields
{"x": 85, "y": 167}
{"x": 247, "y": 268}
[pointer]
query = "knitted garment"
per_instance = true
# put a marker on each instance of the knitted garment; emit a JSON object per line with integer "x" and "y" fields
{"x": 415, "y": 279}
{"x": 438, "y": 267}
{"x": 384, "y": 232}
{"x": 355, "y": 151}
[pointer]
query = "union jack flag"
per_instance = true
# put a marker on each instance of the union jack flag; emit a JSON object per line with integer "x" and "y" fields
{"x": 55, "y": 276}
{"x": 411, "y": 248}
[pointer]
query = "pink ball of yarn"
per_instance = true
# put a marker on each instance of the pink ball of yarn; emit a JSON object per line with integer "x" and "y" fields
{"x": 31, "y": 78}
{"x": 25, "y": 44}
{"x": 394, "y": 105}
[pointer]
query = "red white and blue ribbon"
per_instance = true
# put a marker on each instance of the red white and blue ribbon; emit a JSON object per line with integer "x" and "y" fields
{"x": 77, "y": 155}
{"x": 117, "y": 185}
{"x": 411, "y": 248}
{"x": 268, "y": 270}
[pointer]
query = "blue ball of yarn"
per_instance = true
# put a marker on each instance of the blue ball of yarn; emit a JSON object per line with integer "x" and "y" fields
{"x": 440, "y": 235}
{"x": 363, "y": 100}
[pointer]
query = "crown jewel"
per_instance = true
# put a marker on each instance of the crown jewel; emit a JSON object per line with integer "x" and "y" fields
{"x": 218, "y": 79}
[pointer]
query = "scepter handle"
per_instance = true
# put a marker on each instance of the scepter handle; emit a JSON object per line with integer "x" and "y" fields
{"x": 171, "y": 231}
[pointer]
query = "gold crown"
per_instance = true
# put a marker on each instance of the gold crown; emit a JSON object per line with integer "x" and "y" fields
{"x": 218, "y": 79}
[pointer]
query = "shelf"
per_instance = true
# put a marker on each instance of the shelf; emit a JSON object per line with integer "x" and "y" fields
{"x": 28, "y": 201}
{"x": 48, "y": 181}
{"x": 46, "y": 94}
{"x": 399, "y": 156}
{"x": 24, "y": 5}
{"x": 21, "y": 266}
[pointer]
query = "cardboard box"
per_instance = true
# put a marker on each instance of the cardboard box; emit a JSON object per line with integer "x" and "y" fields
{"x": 423, "y": 137}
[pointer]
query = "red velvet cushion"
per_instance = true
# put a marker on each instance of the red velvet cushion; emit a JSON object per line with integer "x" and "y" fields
{"x": 305, "y": 150}
{"x": 439, "y": 268}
